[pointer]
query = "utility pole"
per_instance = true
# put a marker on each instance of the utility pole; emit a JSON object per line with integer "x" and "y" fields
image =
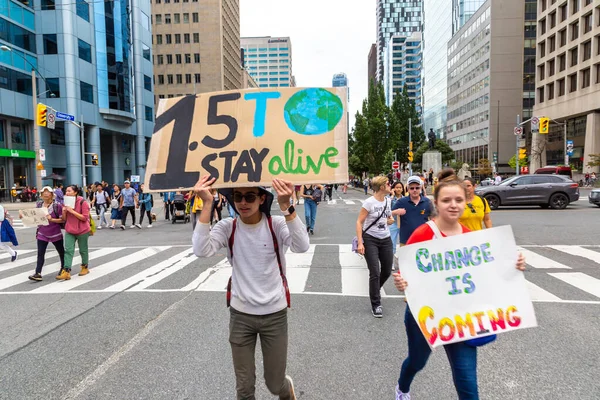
{"x": 517, "y": 144}
{"x": 565, "y": 143}
{"x": 409, "y": 141}
{"x": 36, "y": 131}
{"x": 83, "y": 172}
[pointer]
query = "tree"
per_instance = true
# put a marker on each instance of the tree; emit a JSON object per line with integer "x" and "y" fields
{"x": 595, "y": 160}
{"x": 457, "y": 164}
{"x": 485, "y": 168}
{"x": 513, "y": 162}
{"x": 441, "y": 146}
{"x": 402, "y": 110}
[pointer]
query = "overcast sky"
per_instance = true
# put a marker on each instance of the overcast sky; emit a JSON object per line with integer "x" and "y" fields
{"x": 328, "y": 37}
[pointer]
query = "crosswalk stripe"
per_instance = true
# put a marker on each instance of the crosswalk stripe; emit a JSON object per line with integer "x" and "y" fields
{"x": 105, "y": 269}
{"x": 355, "y": 275}
{"x": 54, "y": 267}
{"x": 298, "y": 267}
{"x": 156, "y": 273}
{"x": 579, "y": 251}
{"x": 204, "y": 275}
{"x": 349, "y": 202}
{"x": 24, "y": 261}
{"x": 332, "y": 202}
{"x": 536, "y": 260}
{"x": 217, "y": 280}
{"x": 581, "y": 281}
{"x": 20, "y": 253}
{"x": 539, "y": 294}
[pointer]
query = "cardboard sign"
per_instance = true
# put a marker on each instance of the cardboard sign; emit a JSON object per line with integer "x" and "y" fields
{"x": 466, "y": 286}
{"x": 249, "y": 137}
{"x": 34, "y": 216}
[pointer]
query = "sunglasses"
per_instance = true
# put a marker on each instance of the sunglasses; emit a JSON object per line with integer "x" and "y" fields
{"x": 249, "y": 197}
{"x": 471, "y": 208}
{"x": 415, "y": 188}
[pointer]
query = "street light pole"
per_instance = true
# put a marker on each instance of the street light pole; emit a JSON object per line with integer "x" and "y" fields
{"x": 36, "y": 131}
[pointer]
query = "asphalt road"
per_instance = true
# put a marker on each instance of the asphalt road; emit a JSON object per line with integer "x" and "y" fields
{"x": 150, "y": 322}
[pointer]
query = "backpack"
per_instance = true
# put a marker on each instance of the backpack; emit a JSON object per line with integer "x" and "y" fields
{"x": 275, "y": 245}
{"x": 92, "y": 223}
{"x": 114, "y": 203}
{"x": 484, "y": 203}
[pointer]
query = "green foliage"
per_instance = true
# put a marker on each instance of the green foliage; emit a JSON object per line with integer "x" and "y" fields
{"x": 513, "y": 162}
{"x": 402, "y": 110}
{"x": 485, "y": 168}
{"x": 457, "y": 164}
{"x": 441, "y": 146}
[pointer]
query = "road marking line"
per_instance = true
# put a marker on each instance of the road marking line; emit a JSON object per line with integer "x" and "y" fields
{"x": 55, "y": 267}
{"x": 578, "y": 251}
{"x": 154, "y": 274}
{"x": 298, "y": 267}
{"x": 349, "y": 202}
{"x": 216, "y": 279}
{"x": 580, "y": 280}
{"x": 101, "y": 271}
{"x": 537, "y": 293}
{"x": 23, "y": 261}
{"x": 332, "y": 202}
{"x": 536, "y": 260}
{"x": 204, "y": 275}
{"x": 355, "y": 275}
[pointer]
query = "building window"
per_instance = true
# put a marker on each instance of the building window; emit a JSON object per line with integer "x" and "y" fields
{"x": 188, "y": 78}
{"x": 598, "y": 45}
{"x": 168, "y": 38}
{"x": 158, "y": 19}
{"x": 562, "y": 62}
{"x": 563, "y": 12}
{"x": 47, "y": 5}
{"x": 587, "y": 23}
{"x": 86, "y": 92}
{"x": 197, "y": 78}
{"x": 542, "y": 26}
{"x": 57, "y": 135}
{"x": 83, "y": 10}
{"x": 167, "y": 18}
{"x": 574, "y": 30}
{"x": 157, "y": 1}
{"x": 146, "y": 52}
{"x": 543, "y": 2}
{"x": 176, "y": 18}
{"x": 170, "y": 79}
{"x": 169, "y": 59}
{"x": 85, "y": 51}
{"x": 541, "y": 74}
{"x": 186, "y": 38}
{"x": 148, "y": 112}
{"x": 572, "y": 83}
{"x": 561, "y": 87}
{"x": 587, "y": 50}
{"x": 186, "y": 18}
{"x": 161, "y": 79}
{"x": 541, "y": 95}
{"x": 196, "y": 38}
{"x": 573, "y": 56}
{"x": 597, "y": 67}
{"x": 552, "y": 19}
{"x": 53, "y": 85}
{"x": 586, "y": 77}
{"x": 177, "y": 38}
{"x": 188, "y": 58}
{"x": 179, "y": 79}
{"x": 563, "y": 37}
{"x": 195, "y": 17}
{"x": 552, "y": 43}
{"x": 158, "y": 39}
{"x": 160, "y": 59}
{"x": 550, "y": 90}
{"x": 196, "y": 58}
{"x": 147, "y": 83}
{"x": 551, "y": 67}
{"x": 542, "y": 47}
{"x": 50, "y": 44}
{"x": 574, "y": 6}
{"x": 178, "y": 58}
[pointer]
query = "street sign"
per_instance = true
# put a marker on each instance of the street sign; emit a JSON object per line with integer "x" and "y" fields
{"x": 535, "y": 123}
{"x": 570, "y": 148}
{"x": 518, "y": 130}
{"x": 42, "y": 154}
{"x": 395, "y": 165}
{"x": 65, "y": 117}
{"x": 39, "y": 166}
{"x": 43, "y": 173}
{"x": 50, "y": 118}
{"x": 522, "y": 143}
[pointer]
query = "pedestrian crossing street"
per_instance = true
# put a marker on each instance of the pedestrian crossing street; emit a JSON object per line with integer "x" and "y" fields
{"x": 556, "y": 273}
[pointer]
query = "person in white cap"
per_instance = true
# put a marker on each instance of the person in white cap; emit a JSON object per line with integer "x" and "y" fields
{"x": 414, "y": 209}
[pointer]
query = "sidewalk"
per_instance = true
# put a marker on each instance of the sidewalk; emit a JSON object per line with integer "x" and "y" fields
{"x": 18, "y": 206}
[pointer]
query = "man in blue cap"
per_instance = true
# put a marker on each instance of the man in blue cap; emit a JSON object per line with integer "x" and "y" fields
{"x": 414, "y": 209}
{"x": 257, "y": 292}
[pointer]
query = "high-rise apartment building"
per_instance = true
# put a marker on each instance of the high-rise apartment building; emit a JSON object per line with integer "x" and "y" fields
{"x": 395, "y": 17}
{"x": 372, "y": 64}
{"x": 268, "y": 60}
{"x": 568, "y": 82}
{"x": 483, "y": 106}
{"x": 402, "y": 65}
{"x": 91, "y": 61}
{"x": 196, "y": 46}
{"x": 340, "y": 80}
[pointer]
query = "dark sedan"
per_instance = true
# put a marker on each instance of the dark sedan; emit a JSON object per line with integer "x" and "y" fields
{"x": 594, "y": 197}
{"x": 553, "y": 191}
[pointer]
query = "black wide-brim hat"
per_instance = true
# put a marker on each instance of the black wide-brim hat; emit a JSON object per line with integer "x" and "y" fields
{"x": 264, "y": 208}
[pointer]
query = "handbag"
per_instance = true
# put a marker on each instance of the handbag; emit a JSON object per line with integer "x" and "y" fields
{"x": 477, "y": 342}
{"x": 355, "y": 240}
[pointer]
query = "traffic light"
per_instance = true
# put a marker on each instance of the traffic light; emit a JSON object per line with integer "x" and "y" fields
{"x": 410, "y": 156}
{"x": 522, "y": 153}
{"x": 94, "y": 159}
{"x": 544, "y": 125}
{"x": 42, "y": 111}
{"x": 410, "y": 146}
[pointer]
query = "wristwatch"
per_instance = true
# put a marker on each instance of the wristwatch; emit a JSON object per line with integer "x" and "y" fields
{"x": 289, "y": 211}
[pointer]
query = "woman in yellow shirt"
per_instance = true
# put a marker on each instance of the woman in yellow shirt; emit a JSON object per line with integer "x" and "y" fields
{"x": 477, "y": 211}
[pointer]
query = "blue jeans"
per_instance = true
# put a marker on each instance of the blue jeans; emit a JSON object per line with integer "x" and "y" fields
{"x": 310, "y": 213}
{"x": 463, "y": 361}
{"x": 395, "y": 235}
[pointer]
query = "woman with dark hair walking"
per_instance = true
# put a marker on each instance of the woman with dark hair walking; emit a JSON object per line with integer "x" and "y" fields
{"x": 146, "y": 204}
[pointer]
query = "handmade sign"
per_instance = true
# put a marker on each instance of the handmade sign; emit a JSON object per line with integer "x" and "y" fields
{"x": 466, "y": 286}
{"x": 249, "y": 137}
{"x": 34, "y": 216}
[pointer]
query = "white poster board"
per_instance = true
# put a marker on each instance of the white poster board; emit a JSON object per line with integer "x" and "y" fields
{"x": 69, "y": 201}
{"x": 34, "y": 216}
{"x": 466, "y": 286}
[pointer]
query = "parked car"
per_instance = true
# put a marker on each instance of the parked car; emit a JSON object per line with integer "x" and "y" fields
{"x": 487, "y": 182}
{"x": 594, "y": 197}
{"x": 553, "y": 170}
{"x": 555, "y": 191}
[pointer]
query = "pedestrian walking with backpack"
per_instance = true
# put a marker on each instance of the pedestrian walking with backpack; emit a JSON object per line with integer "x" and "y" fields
{"x": 257, "y": 293}
{"x": 101, "y": 200}
{"x": 115, "y": 204}
{"x": 477, "y": 212}
{"x": 51, "y": 233}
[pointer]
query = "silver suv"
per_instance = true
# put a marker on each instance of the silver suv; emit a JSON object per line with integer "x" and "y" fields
{"x": 555, "y": 191}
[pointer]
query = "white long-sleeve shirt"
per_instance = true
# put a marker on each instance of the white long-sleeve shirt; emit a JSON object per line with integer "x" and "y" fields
{"x": 257, "y": 287}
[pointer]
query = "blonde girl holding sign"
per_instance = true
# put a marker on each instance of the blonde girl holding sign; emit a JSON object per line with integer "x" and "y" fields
{"x": 450, "y": 200}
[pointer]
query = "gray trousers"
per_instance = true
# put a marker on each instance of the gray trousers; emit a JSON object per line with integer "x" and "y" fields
{"x": 273, "y": 331}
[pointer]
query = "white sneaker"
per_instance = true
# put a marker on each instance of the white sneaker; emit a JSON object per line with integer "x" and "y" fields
{"x": 150, "y": 226}
{"x": 132, "y": 227}
{"x": 99, "y": 227}
{"x": 138, "y": 226}
{"x": 400, "y": 395}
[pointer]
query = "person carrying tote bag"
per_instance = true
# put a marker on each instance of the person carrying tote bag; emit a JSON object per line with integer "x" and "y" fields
{"x": 78, "y": 229}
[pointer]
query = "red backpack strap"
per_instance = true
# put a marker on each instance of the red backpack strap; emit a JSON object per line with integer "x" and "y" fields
{"x": 231, "y": 240}
{"x": 283, "y": 278}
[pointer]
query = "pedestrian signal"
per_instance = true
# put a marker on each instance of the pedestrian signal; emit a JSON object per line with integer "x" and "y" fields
{"x": 410, "y": 156}
{"x": 522, "y": 154}
{"x": 94, "y": 159}
{"x": 544, "y": 125}
{"x": 42, "y": 112}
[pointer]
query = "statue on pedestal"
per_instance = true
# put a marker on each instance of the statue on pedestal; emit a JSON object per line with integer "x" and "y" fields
{"x": 464, "y": 172}
{"x": 431, "y": 137}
